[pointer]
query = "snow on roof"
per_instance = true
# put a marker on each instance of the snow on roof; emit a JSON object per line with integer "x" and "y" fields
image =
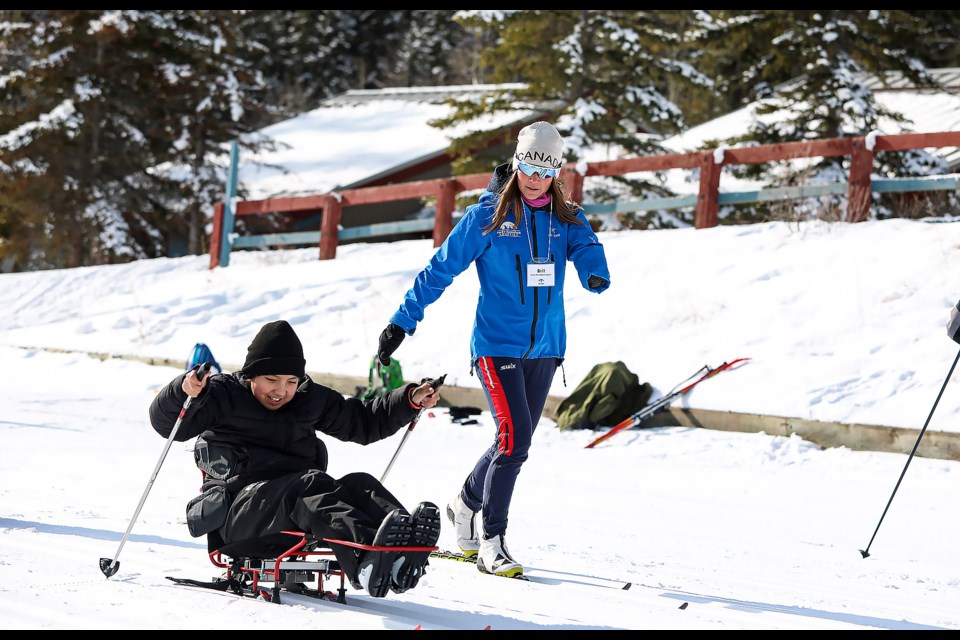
{"x": 357, "y": 135}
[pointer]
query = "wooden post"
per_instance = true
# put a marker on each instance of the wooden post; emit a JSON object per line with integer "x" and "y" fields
{"x": 574, "y": 183}
{"x": 858, "y": 186}
{"x": 329, "y": 235}
{"x": 706, "y": 214}
{"x": 216, "y": 234}
{"x": 443, "y": 212}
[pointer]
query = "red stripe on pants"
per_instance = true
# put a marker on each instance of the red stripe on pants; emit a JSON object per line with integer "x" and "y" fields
{"x": 500, "y": 406}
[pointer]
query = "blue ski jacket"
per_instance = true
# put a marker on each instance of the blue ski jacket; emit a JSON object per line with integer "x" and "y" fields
{"x": 512, "y": 319}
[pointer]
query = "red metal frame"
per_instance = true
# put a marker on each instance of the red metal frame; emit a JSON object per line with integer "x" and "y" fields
{"x": 275, "y": 570}
{"x": 296, "y": 560}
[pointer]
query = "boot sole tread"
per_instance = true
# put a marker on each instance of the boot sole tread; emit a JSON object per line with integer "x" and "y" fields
{"x": 394, "y": 532}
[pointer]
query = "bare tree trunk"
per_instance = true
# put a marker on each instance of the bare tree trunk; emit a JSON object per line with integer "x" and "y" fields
{"x": 195, "y": 217}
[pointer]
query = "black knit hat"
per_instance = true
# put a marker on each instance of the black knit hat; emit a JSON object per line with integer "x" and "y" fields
{"x": 275, "y": 351}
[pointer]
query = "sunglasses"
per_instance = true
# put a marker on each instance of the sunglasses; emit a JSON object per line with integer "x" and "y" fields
{"x": 529, "y": 170}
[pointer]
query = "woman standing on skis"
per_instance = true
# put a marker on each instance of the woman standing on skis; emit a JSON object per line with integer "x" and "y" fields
{"x": 520, "y": 235}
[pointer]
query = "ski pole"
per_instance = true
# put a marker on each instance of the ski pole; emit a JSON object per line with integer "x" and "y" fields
{"x": 649, "y": 410}
{"x": 111, "y": 566}
{"x": 866, "y": 552}
{"x": 639, "y": 416}
{"x": 413, "y": 423}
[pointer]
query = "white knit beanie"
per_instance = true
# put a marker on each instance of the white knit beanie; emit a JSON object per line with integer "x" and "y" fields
{"x": 539, "y": 144}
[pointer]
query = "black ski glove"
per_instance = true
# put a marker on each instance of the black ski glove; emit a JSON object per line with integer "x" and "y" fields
{"x": 390, "y": 339}
{"x": 596, "y": 282}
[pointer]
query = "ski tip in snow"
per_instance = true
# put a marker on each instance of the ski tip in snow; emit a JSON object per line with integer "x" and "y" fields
{"x": 419, "y": 628}
{"x": 684, "y": 605}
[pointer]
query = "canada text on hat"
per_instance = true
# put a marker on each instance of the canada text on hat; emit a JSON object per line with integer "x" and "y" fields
{"x": 539, "y": 144}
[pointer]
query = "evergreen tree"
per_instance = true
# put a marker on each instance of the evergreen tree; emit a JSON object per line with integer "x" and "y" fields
{"x": 100, "y": 102}
{"x": 830, "y": 57}
{"x": 297, "y": 53}
{"x": 212, "y": 94}
{"x": 307, "y": 56}
{"x": 602, "y": 76}
{"x": 431, "y": 51}
{"x": 114, "y": 123}
{"x": 939, "y": 46}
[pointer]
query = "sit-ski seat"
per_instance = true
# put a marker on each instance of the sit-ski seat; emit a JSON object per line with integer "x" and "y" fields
{"x": 291, "y": 560}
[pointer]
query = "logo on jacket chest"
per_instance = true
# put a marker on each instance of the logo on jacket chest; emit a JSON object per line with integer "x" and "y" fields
{"x": 508, "y": 230}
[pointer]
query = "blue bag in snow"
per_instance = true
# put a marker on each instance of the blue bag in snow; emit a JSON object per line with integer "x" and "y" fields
{"x": 202, "y": 354}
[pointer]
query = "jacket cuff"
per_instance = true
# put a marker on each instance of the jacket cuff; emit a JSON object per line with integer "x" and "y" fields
{"x": 413, "y": 405}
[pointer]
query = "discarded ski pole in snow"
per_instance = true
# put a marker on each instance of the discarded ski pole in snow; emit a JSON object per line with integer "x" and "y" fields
{"x": 650, "y": 409}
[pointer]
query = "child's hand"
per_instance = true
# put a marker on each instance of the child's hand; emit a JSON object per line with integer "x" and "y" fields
{"x": 192, "y": 386}
{"x": 426, "y": 395}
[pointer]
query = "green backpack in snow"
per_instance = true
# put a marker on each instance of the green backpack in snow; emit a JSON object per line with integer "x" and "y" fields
{"x": 609, "y": 393}
{"x": 381, "y": 379}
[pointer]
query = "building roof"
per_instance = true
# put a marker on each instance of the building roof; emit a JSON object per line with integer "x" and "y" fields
{"x": 361, "y": 137}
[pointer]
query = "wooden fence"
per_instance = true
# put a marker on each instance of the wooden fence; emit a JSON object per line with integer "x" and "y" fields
{"x": 858, "y": 189}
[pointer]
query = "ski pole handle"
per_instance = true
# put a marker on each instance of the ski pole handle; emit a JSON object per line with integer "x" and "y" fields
{"x": 436, "y": 384}
{"x": 203, "y": 370}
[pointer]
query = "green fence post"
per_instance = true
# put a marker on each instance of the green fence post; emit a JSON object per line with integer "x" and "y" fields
{"x": 228, "y": 212}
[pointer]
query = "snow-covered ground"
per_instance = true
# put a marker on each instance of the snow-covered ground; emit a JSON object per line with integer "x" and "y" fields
{"x": 749, "y": 531}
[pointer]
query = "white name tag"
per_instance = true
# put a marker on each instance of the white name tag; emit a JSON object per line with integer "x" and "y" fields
{"x": 540, "y": 274}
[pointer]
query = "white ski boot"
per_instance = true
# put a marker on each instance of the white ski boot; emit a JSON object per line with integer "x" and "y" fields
{"x": 464, "y": 522}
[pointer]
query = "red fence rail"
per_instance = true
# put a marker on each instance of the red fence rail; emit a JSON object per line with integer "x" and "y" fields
{"x": 861, "y": 150}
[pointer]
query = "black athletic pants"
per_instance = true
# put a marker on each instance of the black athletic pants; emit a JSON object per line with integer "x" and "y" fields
{"x": 350, "y": 508}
